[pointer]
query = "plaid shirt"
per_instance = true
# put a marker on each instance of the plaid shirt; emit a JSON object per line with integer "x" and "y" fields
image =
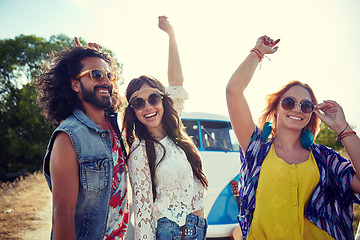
{"x": 331, "y": 204}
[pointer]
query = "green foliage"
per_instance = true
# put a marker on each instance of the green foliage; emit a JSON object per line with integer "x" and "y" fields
{"x": 24, "y": 133}
{"x": 327, "y": 137}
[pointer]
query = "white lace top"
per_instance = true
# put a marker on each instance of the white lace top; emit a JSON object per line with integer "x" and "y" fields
{"x": 178, "y": 191}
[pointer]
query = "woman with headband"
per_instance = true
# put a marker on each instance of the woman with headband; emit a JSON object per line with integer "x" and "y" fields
{"x": 292, "y": 188}
{"x": 165, "y": 168}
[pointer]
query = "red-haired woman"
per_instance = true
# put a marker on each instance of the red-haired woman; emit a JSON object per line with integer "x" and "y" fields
{"x": 292, "y": 188}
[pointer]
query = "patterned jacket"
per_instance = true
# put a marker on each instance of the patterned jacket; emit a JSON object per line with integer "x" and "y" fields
{"x": 331, "y": 204}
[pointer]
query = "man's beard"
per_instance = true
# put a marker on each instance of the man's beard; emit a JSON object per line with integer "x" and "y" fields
{"x": 90, "y": 96}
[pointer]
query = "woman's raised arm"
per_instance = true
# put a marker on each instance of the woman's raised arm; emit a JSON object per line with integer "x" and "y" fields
{"x": 175, "y": 76}
{"x": 238, "y": 107}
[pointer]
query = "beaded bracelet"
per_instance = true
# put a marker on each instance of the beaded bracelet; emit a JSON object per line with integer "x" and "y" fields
{"x": 345, "y": 134}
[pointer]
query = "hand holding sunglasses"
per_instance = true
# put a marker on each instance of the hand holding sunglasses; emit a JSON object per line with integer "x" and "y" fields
{"x": 139, "y": 103}
{"x": 98, "y": 75}
{"x": 332, "y": 114}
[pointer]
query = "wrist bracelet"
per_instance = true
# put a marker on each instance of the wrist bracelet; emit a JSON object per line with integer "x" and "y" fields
{"x": 258, "y": 53}
{"x": 345, "y": 134}
{"x": 347, "y": 124}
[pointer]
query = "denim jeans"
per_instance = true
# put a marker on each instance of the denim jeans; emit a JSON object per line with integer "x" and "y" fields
{"x": 195, "y": 228}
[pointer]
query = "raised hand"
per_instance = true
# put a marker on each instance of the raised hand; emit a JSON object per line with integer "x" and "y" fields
{"x": 332, "y": 114}
{"x": 165, "y": 25}
{"x": 94, "y": 46}
{"x": 266, "y": 45}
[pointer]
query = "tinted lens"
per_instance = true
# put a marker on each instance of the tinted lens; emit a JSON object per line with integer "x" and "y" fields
{"x": 97, "y": 75}
{"x": 154, "y": 99}
{"x": 288, "y": 103}
{"x": 138, "y": 103}
{"x": 111, "y": 76}
{"x": 307, "y": 106}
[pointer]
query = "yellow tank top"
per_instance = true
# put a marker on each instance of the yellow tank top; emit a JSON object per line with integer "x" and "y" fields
{"x": 282, "y": 196}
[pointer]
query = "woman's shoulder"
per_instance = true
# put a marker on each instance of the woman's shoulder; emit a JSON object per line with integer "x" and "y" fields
{"x": 324, "y": 154}
{"x": 137, "y": 155}
{"x": 166, "y": 140}
{"x": 259, "y": 137}
{"x": 322, "y": 149}
{"x": 177, "y": 92}
{"x": 137, "y": 146}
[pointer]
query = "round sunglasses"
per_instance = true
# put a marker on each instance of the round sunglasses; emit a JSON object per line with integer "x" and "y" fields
{"x": 289, "y": 103}
{"x": 138, "y": 103}
{"x": 98, "y": 75}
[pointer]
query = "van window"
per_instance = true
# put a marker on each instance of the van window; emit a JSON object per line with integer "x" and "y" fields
{"x": 192, "y": 129}
{"x": 234, "y": 141}
{"x": 216, "y": 135}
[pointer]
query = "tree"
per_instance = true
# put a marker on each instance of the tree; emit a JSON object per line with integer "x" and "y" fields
{"x": 23, "y": 131}
{"x": 327, "y": 137}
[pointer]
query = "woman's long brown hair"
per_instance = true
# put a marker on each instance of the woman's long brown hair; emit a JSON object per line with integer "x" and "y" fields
{"x": 173, "y": 126}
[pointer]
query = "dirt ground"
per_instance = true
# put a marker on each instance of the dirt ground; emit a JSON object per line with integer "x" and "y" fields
{"x": 25, "y": 210}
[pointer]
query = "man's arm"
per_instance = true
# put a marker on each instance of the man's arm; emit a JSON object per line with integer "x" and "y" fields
{"x": 64, "y": 172}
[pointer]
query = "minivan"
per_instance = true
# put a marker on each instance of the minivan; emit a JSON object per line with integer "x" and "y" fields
{"x": 219, "y": 150}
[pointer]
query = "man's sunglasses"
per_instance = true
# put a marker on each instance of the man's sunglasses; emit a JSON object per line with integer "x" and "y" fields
{"x": 138, "y": 103}
{"x": 289, "y": 103}
{"x": 98, "y": 75}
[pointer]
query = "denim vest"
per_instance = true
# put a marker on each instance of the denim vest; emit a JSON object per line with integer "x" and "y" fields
{"x": 92, "y": 146}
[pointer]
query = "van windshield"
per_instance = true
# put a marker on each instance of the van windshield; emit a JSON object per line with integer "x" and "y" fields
{"x": 215, "y": 135}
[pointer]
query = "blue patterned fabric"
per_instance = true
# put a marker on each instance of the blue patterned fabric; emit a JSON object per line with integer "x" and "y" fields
{"x": 331, "y": 204}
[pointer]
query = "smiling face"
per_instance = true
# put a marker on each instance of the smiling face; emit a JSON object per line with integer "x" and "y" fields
{"x": 151, "y": 116}
{"x": 293, "y": 119}
{"x": 95, "y": 94}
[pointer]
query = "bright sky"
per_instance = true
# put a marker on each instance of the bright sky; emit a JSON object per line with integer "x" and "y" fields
{"x": 319, "y": 42}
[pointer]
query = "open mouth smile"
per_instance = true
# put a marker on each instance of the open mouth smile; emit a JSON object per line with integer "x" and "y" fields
{"x": 150, "y": 115}
{"x": 295, "y": 118}
{"x": 103, "y": 90}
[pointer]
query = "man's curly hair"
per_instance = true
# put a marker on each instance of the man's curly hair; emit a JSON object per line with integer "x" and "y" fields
{"x": 55, "y": 95}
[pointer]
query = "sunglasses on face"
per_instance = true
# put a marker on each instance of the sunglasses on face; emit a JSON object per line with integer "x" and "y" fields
{"x": 138, "y": 103}
{"x": 289, "y": 103}
{"x": 98, "y": 75}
